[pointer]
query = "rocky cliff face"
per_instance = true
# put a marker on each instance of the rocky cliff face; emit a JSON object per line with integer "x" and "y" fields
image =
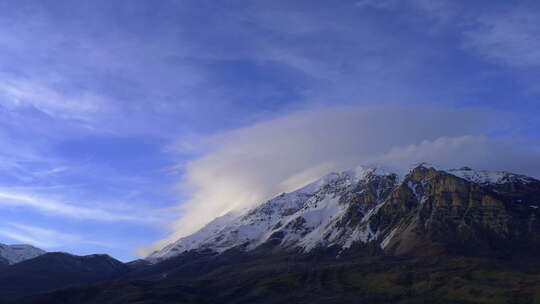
{"x": 434, "y": 208}
{"x": 424, "y": 212}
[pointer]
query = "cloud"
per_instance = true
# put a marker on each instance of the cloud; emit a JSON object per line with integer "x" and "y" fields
{"x": 37, "y": 236}
{"x": 509, "y": 37}
{"x": 17, "y": 93}
{"x": 42, "y": 237}
{"x": 247, "y": 166}
{"x": 501, "y": 32}
{"x": 19, "y": 237}
{"x": 472, "y": 150}
{"x": 54, "y": 207}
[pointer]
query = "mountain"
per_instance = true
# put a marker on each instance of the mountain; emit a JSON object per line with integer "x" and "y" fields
{"x": 11, "y": 254}
{"x": 460, "y": 209}
{"x": 56, "y": 269}
{"x": 361, "y": 236}
{"x": 325, "y": 212}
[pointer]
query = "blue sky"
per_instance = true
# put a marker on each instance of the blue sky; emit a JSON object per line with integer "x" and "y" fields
{"x": 107, "y": 108}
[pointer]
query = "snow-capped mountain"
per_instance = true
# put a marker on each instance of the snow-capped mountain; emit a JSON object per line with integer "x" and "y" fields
{"x": 18, "y": 253}
{"x": 299, "y": 217}
{"x": 371, "y": 205}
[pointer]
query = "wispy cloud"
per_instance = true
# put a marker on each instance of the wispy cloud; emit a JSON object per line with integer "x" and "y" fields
{"x": 501, "y": 32}
{"x": 20, "y": 93}
{"x": 53, "y": 207}
{"x": 42, "y": 237}
{"x": 509, "y": 37}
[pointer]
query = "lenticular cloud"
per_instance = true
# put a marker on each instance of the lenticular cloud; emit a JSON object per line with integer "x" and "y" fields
{"x": 250, "y": 165}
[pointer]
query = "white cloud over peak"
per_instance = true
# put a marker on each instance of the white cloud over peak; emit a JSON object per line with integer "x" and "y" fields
{"x": 247, "y": 166}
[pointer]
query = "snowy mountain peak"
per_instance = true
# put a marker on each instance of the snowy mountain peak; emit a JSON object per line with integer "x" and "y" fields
{"x": 348, "y": 177}
{"x": 18, "y": 253}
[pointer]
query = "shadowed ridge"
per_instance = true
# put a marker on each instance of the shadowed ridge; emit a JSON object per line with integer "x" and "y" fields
{"x": 55, "y": 270}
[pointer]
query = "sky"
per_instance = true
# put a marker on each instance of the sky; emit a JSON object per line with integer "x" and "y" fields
{"x": 125, "y": 125}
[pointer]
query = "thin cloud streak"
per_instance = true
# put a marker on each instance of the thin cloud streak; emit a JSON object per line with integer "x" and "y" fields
{"x": 19, "y": 93}
{"x": 52, "y": 207}
{"x": 25, "y": 239}
{"x": 42, "y": 237}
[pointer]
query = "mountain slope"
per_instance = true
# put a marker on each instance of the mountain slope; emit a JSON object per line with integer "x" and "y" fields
{"x": 18, "y": 253}
{"x": 471, "y": 210}
{"x": 317, "y": 214}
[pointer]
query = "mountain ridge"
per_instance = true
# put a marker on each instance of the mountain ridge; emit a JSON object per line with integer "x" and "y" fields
{"x": 337, "y": 210}
{"x": 55, "y": 270}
